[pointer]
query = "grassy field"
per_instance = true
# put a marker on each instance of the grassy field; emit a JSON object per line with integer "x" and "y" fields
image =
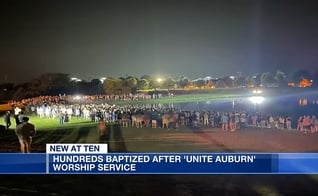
{"x": 184, "y": 139}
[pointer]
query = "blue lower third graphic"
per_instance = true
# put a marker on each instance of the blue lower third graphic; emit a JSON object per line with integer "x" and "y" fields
{"x": 159, "y": 163}
{"x": 18, "y": 163}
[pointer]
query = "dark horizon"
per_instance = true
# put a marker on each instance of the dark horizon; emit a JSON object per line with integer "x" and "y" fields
{"x": 91, "y": 39}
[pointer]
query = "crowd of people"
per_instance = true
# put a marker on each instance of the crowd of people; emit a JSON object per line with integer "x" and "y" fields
{"x": 307, "y": 124}
{"x": 78, "y": 99}
{"x": 95, "y": 108}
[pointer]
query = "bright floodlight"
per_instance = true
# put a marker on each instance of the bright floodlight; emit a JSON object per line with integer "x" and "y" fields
{"x": 257, "y": 99}
{"x": 77, "y": 97}
{"x": 102, "y": 79}
{"x": 159, "y": 80}
{"x": 257, "y": 91}
{"x": 75, "y": 79}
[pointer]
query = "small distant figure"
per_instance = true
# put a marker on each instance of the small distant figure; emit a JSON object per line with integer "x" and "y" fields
{"x": 7, "y": 119}
{"x": 17, "y": 113}
{"x": 66, "y": 117}
{"x": 61, "y": 119}
{"x": 25, "y": 132}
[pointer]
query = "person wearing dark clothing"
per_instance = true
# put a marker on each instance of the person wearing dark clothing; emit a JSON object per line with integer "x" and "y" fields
{"x": 25, "y": 131}
{"x": 17, "y": 121}
{"x": 7, "y": 119}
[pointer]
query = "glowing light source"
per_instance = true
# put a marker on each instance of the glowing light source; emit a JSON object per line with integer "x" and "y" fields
{"x": 257, "y": 91}
{"x": 75, "y": 79}
{"x": 257, "y": 99}
{"x": 77, "y": 97}
{"x": 102, "y": 79}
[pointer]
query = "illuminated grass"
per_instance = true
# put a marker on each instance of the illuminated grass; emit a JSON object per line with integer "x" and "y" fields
{"x": 47, "y": 124}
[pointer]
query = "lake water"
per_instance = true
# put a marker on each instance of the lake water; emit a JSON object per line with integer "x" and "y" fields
{"x": 293, "y": 105}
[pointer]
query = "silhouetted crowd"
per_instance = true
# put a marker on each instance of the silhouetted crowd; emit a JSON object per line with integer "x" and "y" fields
{"x": 95, "y": 108}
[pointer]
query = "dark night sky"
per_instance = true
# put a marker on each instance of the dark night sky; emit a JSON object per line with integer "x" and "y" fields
{"x": 91, "y": 39}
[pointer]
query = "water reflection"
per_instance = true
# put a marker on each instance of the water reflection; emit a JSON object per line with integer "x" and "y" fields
{"x": 282, "y": 105}
{"x": 303, "y": 102}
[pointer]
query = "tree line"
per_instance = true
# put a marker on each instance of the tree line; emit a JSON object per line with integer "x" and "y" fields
{"x": 60, "y": 83}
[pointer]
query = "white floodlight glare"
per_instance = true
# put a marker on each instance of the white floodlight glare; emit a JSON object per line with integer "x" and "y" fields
{"x": 256, "y": 99}
{"x": 75, "y": 79}
{"x": 102, "y": 79}
{"x": 77, "y": 97}
{"x": 257, "y": 91}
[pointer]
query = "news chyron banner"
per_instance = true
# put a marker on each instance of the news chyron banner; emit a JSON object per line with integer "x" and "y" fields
{"x": 95, "y": 159}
